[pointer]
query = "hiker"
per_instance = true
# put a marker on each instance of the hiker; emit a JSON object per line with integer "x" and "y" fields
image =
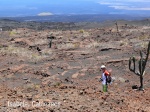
{"x": 105, "y": 79}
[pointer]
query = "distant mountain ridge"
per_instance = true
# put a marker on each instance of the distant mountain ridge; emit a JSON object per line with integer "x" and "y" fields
{"x": 68, "y": 22}
{"x": 76, "y": 18}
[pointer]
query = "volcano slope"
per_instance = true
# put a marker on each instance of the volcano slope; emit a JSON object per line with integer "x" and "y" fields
{"x": 64, "y": 78}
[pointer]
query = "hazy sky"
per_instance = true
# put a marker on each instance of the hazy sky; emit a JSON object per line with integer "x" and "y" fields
{"x": 47, "y": 7}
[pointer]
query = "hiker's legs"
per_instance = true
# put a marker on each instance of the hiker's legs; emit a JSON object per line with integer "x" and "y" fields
{"x": 104, "y": 88}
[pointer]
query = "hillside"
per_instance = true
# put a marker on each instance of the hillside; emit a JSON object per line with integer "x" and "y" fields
{"x": 64, "y": 78}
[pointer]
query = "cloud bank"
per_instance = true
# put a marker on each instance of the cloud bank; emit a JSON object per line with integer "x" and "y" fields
{"x": 45, "y": 14}
{"x": 143, "y": 5}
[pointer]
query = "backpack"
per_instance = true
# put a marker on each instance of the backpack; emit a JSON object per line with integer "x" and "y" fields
{"x": 108, "y": 75}
{"x": 109, "y": 79}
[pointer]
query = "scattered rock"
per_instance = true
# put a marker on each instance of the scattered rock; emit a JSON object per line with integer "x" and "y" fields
{"x": 63, "y": 87}
{"x": 135, "y": 87}
{"x": 66, "y": 75}
{"x": 75, "y": 75}
{"x": 1, "y": 97}
{"x": 127, "y": 81}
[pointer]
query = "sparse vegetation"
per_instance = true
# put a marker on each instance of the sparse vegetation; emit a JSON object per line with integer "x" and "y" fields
{"x": 93, "y": 45}
{"x": 12, "y": 33}
{"x": 81, "y": 31}
{"x": 124, "y": 42}
{"x": 144, "y": 37}
{"x": 68, "y": 72}
{"x": 21, "y": 52}
{"x": 57, "y": 84}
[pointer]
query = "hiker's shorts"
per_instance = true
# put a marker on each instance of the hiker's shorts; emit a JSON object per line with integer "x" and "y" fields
{"x": 104, "y": 88}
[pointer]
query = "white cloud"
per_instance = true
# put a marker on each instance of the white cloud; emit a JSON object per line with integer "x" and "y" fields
{"x": 128, "y": 4}
{"x": 129, "y": 8}
{"x": 128, "y": 1}
{"x": 110, "y": 3}
{"x": 45, "y": 14}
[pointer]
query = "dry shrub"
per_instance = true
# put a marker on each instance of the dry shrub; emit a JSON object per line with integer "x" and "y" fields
{"x": 93, "y": 45}
{"x": 21, "y": 52}
{"x": 144, "y": 44}
{"x": 12, "y": 33}
{"x": 46, "y": 52}
{"x": 124, "y": 42}
{"x": 68, "y": 46}
{"x": 81, "y": 31}
{"x": 143, "y": 37}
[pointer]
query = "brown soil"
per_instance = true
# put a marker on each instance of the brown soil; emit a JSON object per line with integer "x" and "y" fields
{"x": 64, "y": 78}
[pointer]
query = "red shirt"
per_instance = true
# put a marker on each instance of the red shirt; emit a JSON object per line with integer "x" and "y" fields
{"x": 106, "y": 73}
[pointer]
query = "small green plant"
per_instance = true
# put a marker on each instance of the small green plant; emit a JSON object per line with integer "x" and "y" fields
{"x": 57, "y": 84}
{"x": 81, "y": 31}
{"x": 76, "y": 45}
{"x": 12, "y": 33}
{"x": 142, "y": 65}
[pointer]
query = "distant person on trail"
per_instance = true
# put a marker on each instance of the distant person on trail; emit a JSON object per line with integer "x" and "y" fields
{"x": 105, "y": 78}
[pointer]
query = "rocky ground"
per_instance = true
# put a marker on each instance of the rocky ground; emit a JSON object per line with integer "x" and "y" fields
{"x": 64, "y": 78}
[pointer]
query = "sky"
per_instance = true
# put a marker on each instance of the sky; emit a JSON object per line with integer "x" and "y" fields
{"x": 52, "y": 7}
